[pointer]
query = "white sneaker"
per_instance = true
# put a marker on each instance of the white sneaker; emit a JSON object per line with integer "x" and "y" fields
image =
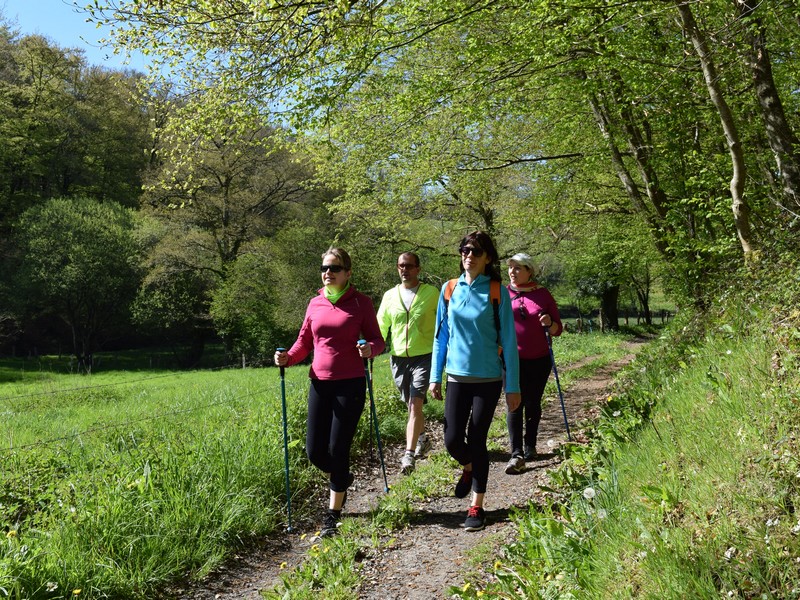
{"x": 423, "y": 445}
{"x": 407, "y": 463}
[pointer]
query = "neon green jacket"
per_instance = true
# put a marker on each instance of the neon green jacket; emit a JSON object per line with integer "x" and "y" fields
{"x": 411, "y": 330}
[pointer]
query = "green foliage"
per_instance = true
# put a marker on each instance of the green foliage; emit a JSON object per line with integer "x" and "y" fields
{"x": 651, "y": 506}
{"x": 80, "y": 263}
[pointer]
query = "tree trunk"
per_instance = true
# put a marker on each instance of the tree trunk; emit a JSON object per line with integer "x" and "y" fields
{"x": 609, "y": 311}
{"x": 740, "y": 208}
{"x": 603, "y": 121}
{"x": 644, "y": 304}
{"x": 781, "y": 138}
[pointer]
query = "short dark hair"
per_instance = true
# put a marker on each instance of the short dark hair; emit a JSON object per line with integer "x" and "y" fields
{"x": 413, "y": 255}
{"x": 481, "y": 239}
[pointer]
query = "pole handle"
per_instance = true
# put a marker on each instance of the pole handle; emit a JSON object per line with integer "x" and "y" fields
{"x": 363, "y": 342}
{"x": 283, "y": 369}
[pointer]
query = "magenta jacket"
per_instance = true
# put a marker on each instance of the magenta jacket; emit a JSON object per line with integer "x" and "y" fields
{"x": 332, "y": 332}
{"x": 527, "y": 306}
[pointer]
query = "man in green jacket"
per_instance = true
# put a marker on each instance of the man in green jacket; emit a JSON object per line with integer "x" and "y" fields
{"x": 407, "y": 314}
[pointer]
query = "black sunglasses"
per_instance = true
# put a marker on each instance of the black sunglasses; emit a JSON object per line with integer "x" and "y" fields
{"x": 331, "y": 268}
{"x": 476, "y": 252}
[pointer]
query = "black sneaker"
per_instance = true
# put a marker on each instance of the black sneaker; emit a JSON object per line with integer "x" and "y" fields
{"x": 330, "y": 523}
{"x": 476, "y": 519}
{"x": 464, "y": 484}
{"x": 530, "y": 453}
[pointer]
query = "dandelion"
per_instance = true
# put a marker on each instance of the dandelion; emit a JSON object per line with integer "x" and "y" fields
{"x": 729, "y": 352}
{"x": 51, "y": 586}
{"x": 589, "y": 493}
{"x": 11, "y": 534}
{"x": 77, "y": 591}
{"x": 466, "y": 587}
{"x": 616, "y": 413}
{"x": 302, "y": 537}
{"x": 497, "y": 565}
{"x": 601, "y": 513}
{"x": 284, "y": 564}
{"x": 481, "y": 593}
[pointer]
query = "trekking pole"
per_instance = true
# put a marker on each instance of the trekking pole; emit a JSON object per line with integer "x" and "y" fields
{"x": 558, "y": 384}
{"x": 374, "y": 415}
{"x": 286, "y": 448}
{"x": 371, "y": 450}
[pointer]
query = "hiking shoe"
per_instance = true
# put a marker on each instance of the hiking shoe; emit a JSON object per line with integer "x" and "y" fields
{"x": 515, "y": 465}
{"x": 330, "y": 523}
{"x": 423, "y": 445}
{"x": 476, "y": 519}
{"x": 464, "y": 484}
{"x": 407, "y": 463}
{"x": 530, "y": 453}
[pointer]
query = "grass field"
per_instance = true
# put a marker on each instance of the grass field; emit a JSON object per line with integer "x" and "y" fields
{"x": 120, "y": 482}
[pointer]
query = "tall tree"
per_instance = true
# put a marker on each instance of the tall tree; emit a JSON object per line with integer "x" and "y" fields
{"x": 80, "y": 266}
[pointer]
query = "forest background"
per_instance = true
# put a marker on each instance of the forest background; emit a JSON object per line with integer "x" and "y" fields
{"x": 619, "y": 145}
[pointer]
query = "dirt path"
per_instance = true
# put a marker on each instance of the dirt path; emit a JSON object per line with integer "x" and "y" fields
{"x": 430, "y": 555}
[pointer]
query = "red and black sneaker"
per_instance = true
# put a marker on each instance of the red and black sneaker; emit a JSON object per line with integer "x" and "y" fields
{"x": 464, "y": 484}
{"x": 476, "y": 519}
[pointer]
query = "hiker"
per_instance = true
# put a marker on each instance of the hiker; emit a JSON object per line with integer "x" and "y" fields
{"x": 335, "y": 321}
{"x": 474, "y": 322}
{"x": 535, "y": 312}
{"x": 407, "y": 314}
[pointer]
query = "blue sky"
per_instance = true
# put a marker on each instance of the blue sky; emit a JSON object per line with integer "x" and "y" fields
{"x": 61, "y": 22}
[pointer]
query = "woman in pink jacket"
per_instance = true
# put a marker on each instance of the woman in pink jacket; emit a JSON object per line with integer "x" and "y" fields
{"x": 335, "y": 320}
{"x": 535, "y": 315}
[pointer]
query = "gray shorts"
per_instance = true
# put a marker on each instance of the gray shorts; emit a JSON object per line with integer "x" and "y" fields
{"x": 411, "y": 376}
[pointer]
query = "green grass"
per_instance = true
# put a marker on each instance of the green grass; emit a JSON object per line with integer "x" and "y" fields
{"x": 120, "y": 482}
{"x": 690, "y": 483}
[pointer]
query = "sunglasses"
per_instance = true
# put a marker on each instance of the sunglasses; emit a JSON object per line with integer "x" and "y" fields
{"x": 476, "y": 252}
{"x": 331, "y": 268}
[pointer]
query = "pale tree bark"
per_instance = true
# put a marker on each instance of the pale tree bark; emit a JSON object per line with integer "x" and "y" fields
{"x": 653, "y": 216}
{"x": 782, "y": 139}
{"x": 739, "y": 206}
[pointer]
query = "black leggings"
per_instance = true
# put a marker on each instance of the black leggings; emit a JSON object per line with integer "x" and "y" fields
{"x": 533, "y": 375}
{"x": 334, "y": 409}
{"x": 468, "y": 412}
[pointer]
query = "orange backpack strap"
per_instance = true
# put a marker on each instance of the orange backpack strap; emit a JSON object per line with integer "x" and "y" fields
{"x": 448, "y": 289}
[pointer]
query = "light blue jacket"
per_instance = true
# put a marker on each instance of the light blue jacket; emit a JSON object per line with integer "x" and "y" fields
{"x": 466, "y": 340}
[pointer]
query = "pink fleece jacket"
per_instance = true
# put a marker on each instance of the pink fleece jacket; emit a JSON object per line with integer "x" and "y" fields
{"x": 527, "y": 307}
{"x": 332, "y": 332}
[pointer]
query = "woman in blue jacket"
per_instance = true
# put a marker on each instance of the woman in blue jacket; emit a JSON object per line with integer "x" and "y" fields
{"x": 471, "y": 330}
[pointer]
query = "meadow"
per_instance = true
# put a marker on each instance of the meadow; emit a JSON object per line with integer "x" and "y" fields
{"x": 121, "y": 482}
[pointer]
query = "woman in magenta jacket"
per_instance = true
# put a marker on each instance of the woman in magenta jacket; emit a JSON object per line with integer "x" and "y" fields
{"x": 335, "y": 320}
{"x": 535, "y": 312}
